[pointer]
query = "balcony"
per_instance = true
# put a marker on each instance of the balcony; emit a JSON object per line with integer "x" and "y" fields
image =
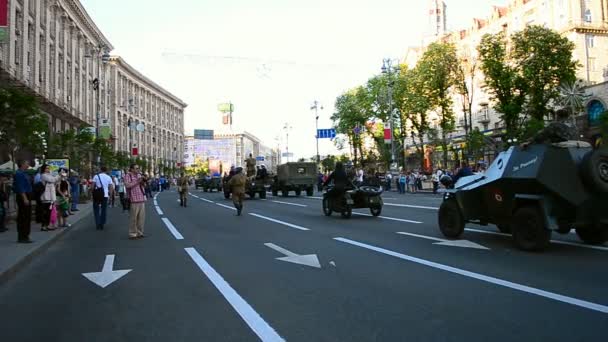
{"x": 483, "y": 118}
{"x": 581, "y": 26}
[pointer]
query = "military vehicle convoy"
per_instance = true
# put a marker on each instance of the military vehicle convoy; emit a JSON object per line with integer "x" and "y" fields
{"x": 530, "y": 191}
{"x": 296, "y": 176}
{"x": 209, "y": 184}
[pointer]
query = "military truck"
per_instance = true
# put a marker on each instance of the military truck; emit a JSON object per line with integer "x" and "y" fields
{"x": 209, "y": 184}
{"x": 255, "y": 185}
{"x": 297, "y": 176}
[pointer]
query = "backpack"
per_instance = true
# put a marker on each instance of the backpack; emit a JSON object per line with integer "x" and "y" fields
{"x": 98, "y": 193}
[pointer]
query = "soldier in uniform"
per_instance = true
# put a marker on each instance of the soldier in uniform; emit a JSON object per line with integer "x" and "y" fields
{"x": 554, "y": 132}
{"x": 237, "y": 186}
{"x": 182, "y": 187}
{"x": 250, "y": 162}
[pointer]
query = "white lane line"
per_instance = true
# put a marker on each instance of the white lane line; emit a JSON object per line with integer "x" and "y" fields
{"x": 155, "y": 202}
{"x": 158, "y": 210}
{"x": 389, "y": 218}
{"x": 478, "y": 276}
{"x": 172, "y": 229}
{"x": 289, "y": 203}
{"x": 411, "y": 206}
{"x": 278, "y": 221}
{"x": 226, "y": 206}
{"x": 206, "y": 200}
{"x": 422, "y": 236}
{"x": 259, "y": 326}
{"x": 599, "y": 248}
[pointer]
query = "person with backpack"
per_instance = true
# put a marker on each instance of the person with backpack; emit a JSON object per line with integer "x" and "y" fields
{"x": 101, "y": 192}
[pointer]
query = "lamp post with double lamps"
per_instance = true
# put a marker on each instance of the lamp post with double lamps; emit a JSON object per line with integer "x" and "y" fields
{"x": 316, "y": 106}
{"x": 389, "y": 69}
{"x": 103, "y": 56}
{"x": 287, "y": 127}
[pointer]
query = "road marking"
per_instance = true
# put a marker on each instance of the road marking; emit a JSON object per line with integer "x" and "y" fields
{"x": 478, "y": 276}
{"x": 206, "y": 200}
{"x": 225, "y": 206}
{"x": 278, "y": 221}
{"x": 259, "y": 326}
{"x": 107, "y": 275}
{"x": 288, "y": 203}
{"x": 445, "y": 242}
{"x": 388, "y": 218}
{"x": 158, "y": 210}
{"x": 155, "y": 202}
{"x": 304, "y": 259}
{"x": 599, "y": 248}
{"x": 411, "y": 206}
{"x": 172, "y": 229}
{"x": 423, "y": 236}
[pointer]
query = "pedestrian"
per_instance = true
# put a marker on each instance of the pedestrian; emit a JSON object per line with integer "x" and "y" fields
{"x": 389, "y": 179}
{"x": 48, "y": 197}
{"x": 112, "y": 197}
{"x": 320, "y": 181}
{"x": 402, "y": 183}
{"x": 148, "y": 187}
{"x": 37, "y": 191}
{"x": 102, "y": 184}
{"x": 237, "y": 187}
{"x": 182, "y": 188}
{"x": 23, "y": 191}
{"x": 3, "y": 202}
{"x": 74, "y": 190}
{"x": 63, "y": 199}
{"x": 135, "y": 183}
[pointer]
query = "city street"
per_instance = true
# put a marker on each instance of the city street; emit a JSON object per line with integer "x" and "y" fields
{"x": 283, "y": 271}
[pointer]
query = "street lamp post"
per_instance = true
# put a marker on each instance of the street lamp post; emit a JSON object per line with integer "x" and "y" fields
{"x": 104, "y": 57}
{"x": 316, "y": 106}
{"x": 287, "y": 127}
{"x": 388, "y": 69}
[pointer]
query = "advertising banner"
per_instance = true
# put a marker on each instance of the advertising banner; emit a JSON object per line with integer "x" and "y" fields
{"x": 56, "y": 164}
{"x": 3, "y": 21}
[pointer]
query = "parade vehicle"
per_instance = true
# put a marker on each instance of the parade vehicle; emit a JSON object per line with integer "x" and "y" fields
{"x": 531, "y": 191}
{"x": 354, "y": 197}
{"x": 209, "y": 184}
{"x": 254, "y": 185}
{"x": 297, "y": 176}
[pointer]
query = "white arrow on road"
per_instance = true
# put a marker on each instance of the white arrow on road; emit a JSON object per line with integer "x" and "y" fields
{"x": 307, "y": 260}
{"x": 444, "y": 242}
{"x": 107, "y": 276}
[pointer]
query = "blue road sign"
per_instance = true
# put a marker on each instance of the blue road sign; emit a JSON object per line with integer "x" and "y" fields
{"x": 259, "y": 158}
{"x": 326, "y": 133}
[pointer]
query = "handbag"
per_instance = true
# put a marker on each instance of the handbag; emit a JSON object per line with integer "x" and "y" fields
{"x": 98, "y": 193}
{"x": 53, "y": 220}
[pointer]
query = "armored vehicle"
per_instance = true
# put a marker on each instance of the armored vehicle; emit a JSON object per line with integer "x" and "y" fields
{"x": 298, "y": 177}
{"x": 209, "y": 184}
{"x": 530, "y": 191}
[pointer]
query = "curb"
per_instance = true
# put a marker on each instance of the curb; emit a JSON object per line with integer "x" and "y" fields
{"x": 14, "y": 269}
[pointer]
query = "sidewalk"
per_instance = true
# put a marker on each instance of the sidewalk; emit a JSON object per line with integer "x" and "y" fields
{"x": 14, "y": 256}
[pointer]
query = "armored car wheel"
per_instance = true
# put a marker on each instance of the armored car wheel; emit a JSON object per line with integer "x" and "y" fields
{"x": 376, "y": 211}
{"x": 309, "y": 192}
{"x": 263, "y": 194}
{"x": 451, "y": 222}
{"x": 275, "y": 192}
{"x": 529, "y": 231}
{"x": 593, "y": 236}
{"x": 504, "y": 228}
{"x": 284, "y": 192}
{"x": 347, "y": 212}
{"x": 298, "y": 192}
{"x": 594, "y": 170}
{"x": 326, "y": 209}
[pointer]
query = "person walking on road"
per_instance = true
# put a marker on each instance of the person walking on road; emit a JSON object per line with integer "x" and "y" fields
{"x": 23, "y": 190}
{"x": 237, "y": 187}
{"x": 122, "y": 194}
{"x": 75, "y": 191}
{"x": 182, "y": 187}
{"x": 135, "y": 183}
{"x": 102, "y": 183}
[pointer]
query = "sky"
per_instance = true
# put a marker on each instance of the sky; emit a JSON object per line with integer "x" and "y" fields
{"x": 270, "y": 58}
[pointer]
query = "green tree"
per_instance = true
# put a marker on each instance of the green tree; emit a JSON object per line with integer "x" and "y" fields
{"x": 544, "y": 60}
{"x": 475, "y": 143}
{"x": 351, "y": 112}
{"x": 328, "y": 163}
{"x": 22, "y": 124}
{"x": 502, "y": 80}
{"x": 438, "y": 70}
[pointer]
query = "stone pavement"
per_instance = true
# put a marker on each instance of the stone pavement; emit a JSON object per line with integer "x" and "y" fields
{"x": 14, "y": 256}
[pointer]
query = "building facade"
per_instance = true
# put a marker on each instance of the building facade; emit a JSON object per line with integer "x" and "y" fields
{"x": 55, "y": 52}
{"x": 144, "y": 116}
{"x": 584, "y": 22}
{"x": 231, "y": 149}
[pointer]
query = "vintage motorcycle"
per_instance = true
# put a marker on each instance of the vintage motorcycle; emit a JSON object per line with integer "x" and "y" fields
{"x": 355, "y": 197}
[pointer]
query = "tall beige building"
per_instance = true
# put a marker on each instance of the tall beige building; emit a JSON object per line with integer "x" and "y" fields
{"x": 55, "y": 52}
{"x": 584, "y": 22}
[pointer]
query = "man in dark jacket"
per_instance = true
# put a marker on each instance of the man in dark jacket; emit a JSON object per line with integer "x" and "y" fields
{"x": 340, "y": 180}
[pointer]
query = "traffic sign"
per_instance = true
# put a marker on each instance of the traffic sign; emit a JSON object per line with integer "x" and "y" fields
{"x": 326, "y": 133}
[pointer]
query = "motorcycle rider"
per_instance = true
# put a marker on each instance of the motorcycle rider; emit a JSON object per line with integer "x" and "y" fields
{"x": 340, "y": 181}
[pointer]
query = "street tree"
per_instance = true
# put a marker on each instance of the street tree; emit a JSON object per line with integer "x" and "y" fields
{"x": 465, "y": 87}
{"x": 438, "y": 70}
{"x": 544, "y": 61}
{"x": 22, "y": 125}
{"x": 351, "y": 114}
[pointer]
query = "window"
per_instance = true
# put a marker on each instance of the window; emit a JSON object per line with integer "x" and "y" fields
{"x": 589, "y": 39}
{"x": 588, "y": 15}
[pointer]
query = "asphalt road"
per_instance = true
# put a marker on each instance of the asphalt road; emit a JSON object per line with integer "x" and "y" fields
{"x": 204, "y": 274}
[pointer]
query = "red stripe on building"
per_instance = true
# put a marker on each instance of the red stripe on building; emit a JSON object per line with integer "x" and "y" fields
{"x": 3, "y": 12}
